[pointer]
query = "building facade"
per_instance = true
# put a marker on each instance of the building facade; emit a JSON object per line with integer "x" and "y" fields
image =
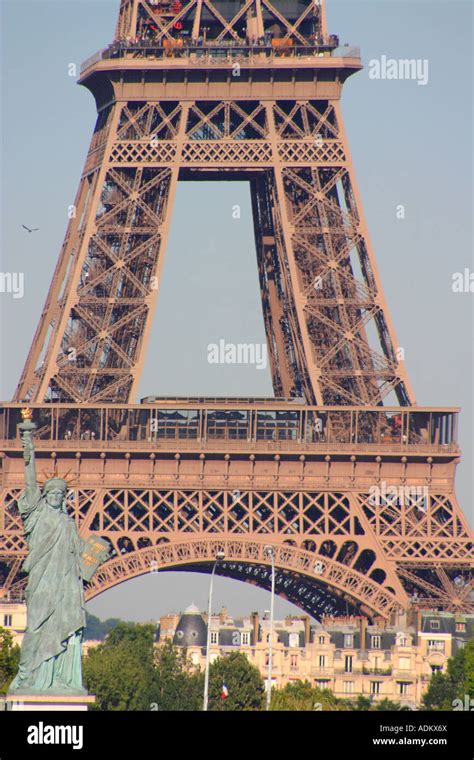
{"x": 346, "y": 655}
{"x": 13, "y": 619}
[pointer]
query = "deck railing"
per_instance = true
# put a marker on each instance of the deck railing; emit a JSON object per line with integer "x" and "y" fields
{"x": 243, "y": 426}
{"x": 217, "y": 53}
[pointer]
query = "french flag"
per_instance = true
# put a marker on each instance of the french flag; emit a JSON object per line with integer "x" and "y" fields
{"x": 224, "y": 691}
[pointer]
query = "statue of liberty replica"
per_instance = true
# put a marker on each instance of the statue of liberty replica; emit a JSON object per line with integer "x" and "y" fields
{"x": 57, "y": 563}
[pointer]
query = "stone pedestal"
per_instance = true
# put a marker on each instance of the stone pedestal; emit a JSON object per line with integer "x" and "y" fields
{"x": 49, "y": 702}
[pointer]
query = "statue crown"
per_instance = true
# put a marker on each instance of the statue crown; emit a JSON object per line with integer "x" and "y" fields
{"x": 55, "y": 483}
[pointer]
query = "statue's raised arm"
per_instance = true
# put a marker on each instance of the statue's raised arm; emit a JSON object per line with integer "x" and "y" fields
{"x": 32, "y": 493}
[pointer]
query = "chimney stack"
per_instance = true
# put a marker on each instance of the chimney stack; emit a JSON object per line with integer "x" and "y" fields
{"x": 363, "y": 632}
{"x": 419, "y": 621}
{"x": 307, "y": 630}
{"x": 254, "y": 620}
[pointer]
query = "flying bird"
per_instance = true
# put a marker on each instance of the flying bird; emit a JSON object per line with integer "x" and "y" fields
{"x": 34, "y": 229}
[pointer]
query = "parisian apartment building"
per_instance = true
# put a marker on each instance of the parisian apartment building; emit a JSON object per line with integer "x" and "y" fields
{"x": 347, "y": 655}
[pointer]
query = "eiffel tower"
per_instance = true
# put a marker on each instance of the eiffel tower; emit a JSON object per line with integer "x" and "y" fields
{"x": 349, "y": 481}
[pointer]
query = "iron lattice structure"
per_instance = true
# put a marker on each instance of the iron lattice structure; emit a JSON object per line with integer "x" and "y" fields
{"x": 245, "y": 90}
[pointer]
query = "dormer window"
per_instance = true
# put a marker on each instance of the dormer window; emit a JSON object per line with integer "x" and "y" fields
{"x": 434, "y": 625}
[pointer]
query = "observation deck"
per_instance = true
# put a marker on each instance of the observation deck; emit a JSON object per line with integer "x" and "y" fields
{"x": 148, "y": 54}
{"x": 240, "y": 425}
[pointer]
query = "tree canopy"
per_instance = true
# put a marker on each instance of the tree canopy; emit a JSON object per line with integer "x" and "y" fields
{"x": 301, "y": 696}
{"x": 9, "y": 659}
{"x": 97, "y": 629}
{"x": 175, "y": 684}
{"x": 456, "y": 683}
{"x": 242, "y": 679}
{"x": 120, "y": 670}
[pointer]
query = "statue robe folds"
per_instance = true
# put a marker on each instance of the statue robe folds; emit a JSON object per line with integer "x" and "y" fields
{"x": 51, "y": 648}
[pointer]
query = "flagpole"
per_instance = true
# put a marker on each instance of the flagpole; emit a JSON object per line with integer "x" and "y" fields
{"x": 219, "y": 556}
{"x": 270, "y": 552}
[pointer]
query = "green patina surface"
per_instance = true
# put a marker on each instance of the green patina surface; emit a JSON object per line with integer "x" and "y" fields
{"x": 51, "y": 650}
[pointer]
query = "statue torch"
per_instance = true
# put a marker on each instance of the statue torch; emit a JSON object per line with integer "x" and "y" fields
{"x": 27, "y": 427}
